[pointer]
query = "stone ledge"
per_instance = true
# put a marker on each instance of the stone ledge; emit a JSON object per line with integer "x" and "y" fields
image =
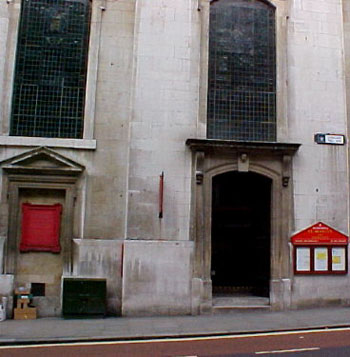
{"x": 213, "y": 145}
{"x": 84, "y": 144}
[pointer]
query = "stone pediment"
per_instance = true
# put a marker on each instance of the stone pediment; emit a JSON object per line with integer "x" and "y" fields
{"x": 41, "y": 161}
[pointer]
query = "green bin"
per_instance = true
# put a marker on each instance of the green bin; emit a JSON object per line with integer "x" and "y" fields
{"x": 84, "y": 297}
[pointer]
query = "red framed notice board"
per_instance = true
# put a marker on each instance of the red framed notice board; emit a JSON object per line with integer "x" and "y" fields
{"x": 41, "y": 228}
{"x": 320, "y": 249}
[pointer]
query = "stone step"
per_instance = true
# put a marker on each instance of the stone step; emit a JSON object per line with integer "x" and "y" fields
{"x": 227, "y": 304}
{"x": 217, "y": 310}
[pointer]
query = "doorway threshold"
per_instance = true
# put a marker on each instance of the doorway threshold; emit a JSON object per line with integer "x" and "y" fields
{"x": 226, "y": 303}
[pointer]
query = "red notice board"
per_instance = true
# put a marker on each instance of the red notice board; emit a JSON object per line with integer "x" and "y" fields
{"x": 320, "y": 249}
{"x": 319, "y": 234}
{"x": 41, "y": 228}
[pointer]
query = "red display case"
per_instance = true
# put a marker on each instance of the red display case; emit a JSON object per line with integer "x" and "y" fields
{"x": 41, "y": 228}
{"x": 320, "y": 249}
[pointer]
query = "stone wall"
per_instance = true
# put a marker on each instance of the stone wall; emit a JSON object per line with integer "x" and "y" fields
{"x": 317, "y": 104}
{"x": 157, "y": 278}
{"x": 165, "y": 105}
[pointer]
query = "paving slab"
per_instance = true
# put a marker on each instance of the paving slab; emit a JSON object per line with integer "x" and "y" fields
{"x": 45, "y": 330}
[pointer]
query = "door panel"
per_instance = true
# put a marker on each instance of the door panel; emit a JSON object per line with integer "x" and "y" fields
{"x": 241, "y": 233}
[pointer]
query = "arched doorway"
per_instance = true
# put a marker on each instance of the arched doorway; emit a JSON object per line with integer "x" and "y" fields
{"x": 240, "y": 234}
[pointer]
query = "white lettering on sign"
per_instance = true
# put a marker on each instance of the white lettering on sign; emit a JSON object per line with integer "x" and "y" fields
{"x": 334, "y": 139}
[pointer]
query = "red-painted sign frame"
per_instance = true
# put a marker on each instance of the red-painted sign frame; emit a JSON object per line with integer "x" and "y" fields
{"x": 320, "y": 234}
{"x": 312, "y": 270}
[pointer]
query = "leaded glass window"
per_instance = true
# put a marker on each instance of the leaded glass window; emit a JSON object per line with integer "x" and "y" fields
{"x": 50, "y": 73}
{"x": 242, "y": 71}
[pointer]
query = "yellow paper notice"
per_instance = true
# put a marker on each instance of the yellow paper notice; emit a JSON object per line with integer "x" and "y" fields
{"x": 336, "y": 260}
{"x": 321, "y": 256}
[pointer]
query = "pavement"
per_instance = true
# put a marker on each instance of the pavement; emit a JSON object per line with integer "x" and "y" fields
{"x": 46, "y": 330}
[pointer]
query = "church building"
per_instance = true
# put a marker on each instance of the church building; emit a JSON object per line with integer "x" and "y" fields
{"x": 192, "y": 154}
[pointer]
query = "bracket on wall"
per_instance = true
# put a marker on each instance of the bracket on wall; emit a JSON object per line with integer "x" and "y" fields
{"x": 285, "y": 181}
{"x": 199, "y": 177}
{"x": 199, "y": 167}
{"x": 103, "y": 6}
{"x": 286, "y": 170}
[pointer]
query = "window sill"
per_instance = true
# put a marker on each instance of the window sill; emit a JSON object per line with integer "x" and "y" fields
{"x": 84, "y": 144}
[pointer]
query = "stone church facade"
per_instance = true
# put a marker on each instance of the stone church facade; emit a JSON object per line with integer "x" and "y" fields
{"x": 178, "y": 138}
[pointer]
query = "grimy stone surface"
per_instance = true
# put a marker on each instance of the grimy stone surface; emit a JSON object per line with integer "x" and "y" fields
{"x": 6, "y": 290}
{"x": 2, "y": 246}
{"x": 98, "y": 258}
{"x": 157, "y": 278}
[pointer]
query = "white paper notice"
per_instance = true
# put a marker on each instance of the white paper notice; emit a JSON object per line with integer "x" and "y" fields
{"x": 303, "y": 259}
{"x": 338, "y": 259}
{"x": 321, "y": 259}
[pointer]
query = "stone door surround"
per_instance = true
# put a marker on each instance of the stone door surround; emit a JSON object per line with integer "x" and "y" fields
{"x": 41, "y": 168}
{"x": 273, "y": 160}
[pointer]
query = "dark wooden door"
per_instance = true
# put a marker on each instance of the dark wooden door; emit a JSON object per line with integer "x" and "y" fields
{"x": 241, "y": 233}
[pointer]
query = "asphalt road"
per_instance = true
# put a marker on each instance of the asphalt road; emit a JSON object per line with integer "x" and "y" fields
{"x": 333, "y": 343}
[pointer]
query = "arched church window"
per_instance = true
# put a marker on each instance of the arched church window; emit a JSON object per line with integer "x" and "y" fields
{"x": 51, "y": 66}
{"x": 242, "y": 71}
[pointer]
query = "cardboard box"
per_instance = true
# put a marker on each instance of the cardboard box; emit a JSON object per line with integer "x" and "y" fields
{"x": 22, "y": 303}
{"x": 28, "y": 313}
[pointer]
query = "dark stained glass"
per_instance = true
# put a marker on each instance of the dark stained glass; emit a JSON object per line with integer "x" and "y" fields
{"x": 50, "y": 74}
{"x": 242, "y": 71}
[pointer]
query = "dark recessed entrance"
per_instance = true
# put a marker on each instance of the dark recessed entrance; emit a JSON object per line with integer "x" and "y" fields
{"x": 241, "y": 215}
